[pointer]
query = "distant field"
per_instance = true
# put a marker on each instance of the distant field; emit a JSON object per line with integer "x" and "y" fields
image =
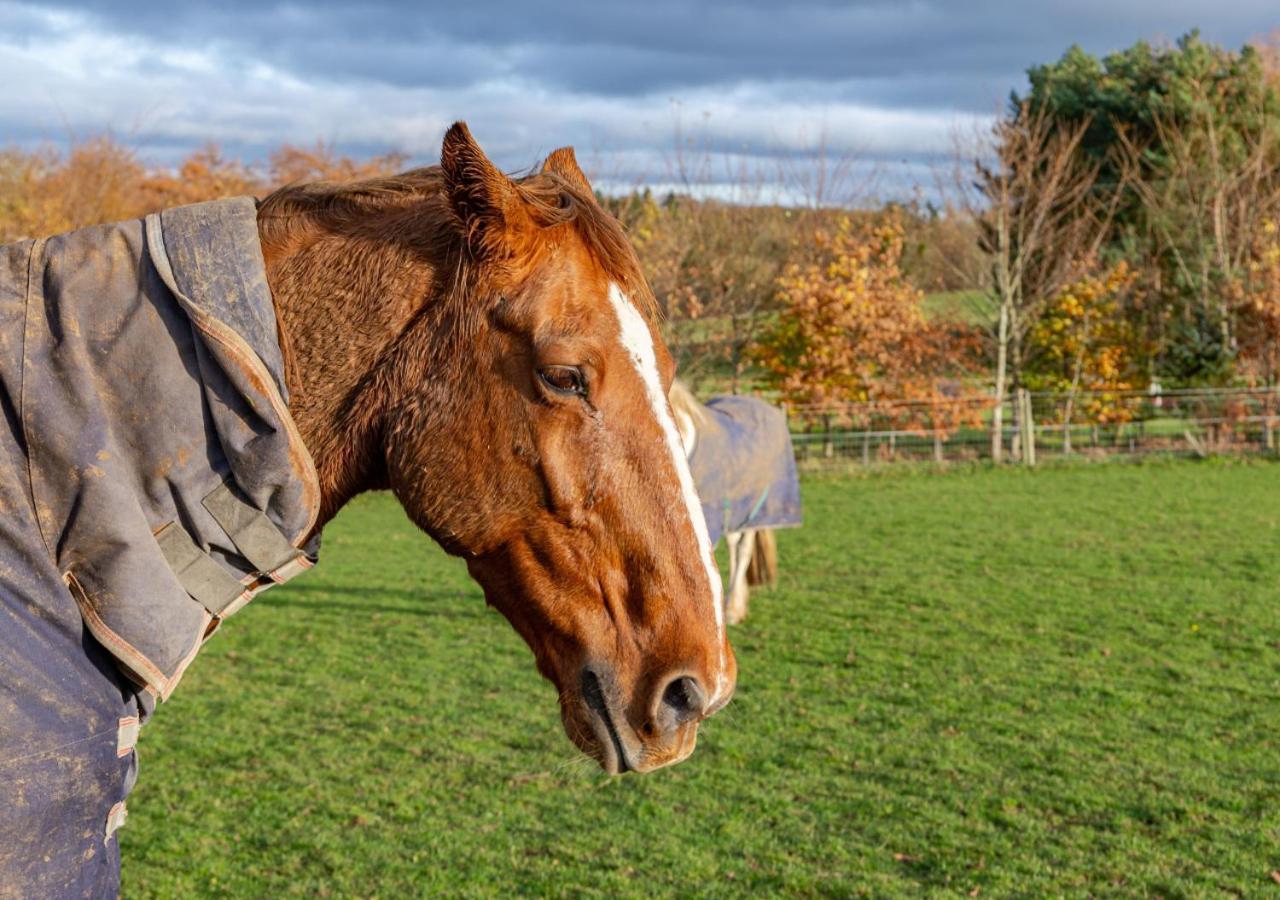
{"x": 967, "y": 307}
{"x": 1060, "y": 682}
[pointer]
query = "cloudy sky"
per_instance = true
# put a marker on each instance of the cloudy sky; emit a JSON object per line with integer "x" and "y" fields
{"x": 757, "y": 84}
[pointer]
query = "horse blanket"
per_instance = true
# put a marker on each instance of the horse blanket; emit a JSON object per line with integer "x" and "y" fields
{"x": 744, "y": 468}
{"x": 151, "y": 483}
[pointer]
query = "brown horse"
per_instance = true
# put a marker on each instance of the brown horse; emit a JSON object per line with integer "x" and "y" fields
{"x": 485, "y": 348}
{"x": 482, "y": 346}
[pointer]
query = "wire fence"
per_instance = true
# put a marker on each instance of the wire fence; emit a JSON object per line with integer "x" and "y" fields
{"x": 1034, "y": 427}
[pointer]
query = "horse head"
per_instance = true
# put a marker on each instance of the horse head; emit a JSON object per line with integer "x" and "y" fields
{"x": 515, "y": 400}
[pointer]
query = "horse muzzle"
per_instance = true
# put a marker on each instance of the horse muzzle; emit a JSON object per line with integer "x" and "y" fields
{"x": 667, "y": 735}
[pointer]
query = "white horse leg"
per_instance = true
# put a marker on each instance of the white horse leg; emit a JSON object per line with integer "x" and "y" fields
{"x": 741, "y": 547}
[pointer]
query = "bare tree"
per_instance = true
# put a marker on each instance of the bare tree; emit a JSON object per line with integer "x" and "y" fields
{"x": 727, "y": 265}
{"x": 818, "y": 175}
{"x": 1043, "y": 215}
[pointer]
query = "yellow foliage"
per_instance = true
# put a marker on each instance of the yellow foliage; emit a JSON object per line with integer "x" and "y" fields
{"x": 1084, "y": 343}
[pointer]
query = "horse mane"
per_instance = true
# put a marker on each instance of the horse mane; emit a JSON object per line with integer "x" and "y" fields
{"x": 683, "y": 402}
{"x": 338, "y": 204}
{"x": 553, "y": 202}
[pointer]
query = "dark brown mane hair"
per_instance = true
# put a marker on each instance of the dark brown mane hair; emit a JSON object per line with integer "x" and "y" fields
{"x": 288, "y": 214}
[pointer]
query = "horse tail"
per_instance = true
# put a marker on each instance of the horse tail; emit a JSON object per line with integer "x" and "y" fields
{"x": 763, "y": 568}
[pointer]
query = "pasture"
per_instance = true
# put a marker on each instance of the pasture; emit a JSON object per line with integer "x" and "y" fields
{"x": 1060, "y": 682}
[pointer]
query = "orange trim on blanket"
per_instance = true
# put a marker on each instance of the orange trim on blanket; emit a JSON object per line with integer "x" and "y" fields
{"x": 236, "y": 346}
{"x": 142, "y": 668}
{"x": 227, "y": 338}
{"x": 137, "y": 665}
{"x": 127, "y": 735}
{"x": 35, "y": 258}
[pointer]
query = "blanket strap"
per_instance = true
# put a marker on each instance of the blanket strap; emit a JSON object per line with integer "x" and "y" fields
{"x": 255, "y": 536}
{"x": 256, "y": 539}
{"x": 212, "y": 586}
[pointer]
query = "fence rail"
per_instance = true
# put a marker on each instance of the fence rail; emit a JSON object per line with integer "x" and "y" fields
{"x": 1038, "y": 426}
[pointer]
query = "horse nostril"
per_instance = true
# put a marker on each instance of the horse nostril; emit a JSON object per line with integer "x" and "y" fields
{"x": 684, "y": 698}
{"x": 592, "y": 692}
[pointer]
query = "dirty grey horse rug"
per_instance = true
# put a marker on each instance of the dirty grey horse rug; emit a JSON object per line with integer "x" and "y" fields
{"x": 744, "y": 467}
{"x": 151, "y": 482}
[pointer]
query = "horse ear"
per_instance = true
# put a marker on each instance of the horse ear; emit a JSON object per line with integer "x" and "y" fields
{"x": 563, "y": 163}
{"x": 486, "y": 202}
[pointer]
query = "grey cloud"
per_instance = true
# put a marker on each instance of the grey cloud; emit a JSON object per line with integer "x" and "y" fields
{"x": 761, "y": 80}
{"x": 670, "y": 45}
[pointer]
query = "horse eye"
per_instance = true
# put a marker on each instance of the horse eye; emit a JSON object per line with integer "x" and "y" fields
{"x": 563, "y": 379}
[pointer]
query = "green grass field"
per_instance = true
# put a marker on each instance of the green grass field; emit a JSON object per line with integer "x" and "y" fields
{"x": 1062, "y": 682}
{"x": 964, "y": 307}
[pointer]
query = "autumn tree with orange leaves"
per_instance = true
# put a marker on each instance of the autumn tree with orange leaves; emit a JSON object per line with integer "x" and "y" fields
{"x": 851, "y": 329}
{"x": 846, "y": 319}
{"x": 48, "y": 191}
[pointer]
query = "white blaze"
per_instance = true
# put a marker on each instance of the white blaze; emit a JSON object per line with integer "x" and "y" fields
{"x": 637, "y": 340}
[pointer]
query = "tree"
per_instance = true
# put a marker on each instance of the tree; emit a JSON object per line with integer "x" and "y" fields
{"x": 714, "y": 247}
{"x": 846, "y": 322}
{"x": 1194, "y": 126}
{"x": 1256, "y": 298}
{"x": 47, "y": 191}
{"x": 1206, "y": 192}
{"x": 712, "y": 266}
{"x": 322, "y": 162}
{"x": 850, "y": 328}
{"x": 204, "y": 175}
{"x": 1083, "y": 342}
{"x": 1041, "y": 214}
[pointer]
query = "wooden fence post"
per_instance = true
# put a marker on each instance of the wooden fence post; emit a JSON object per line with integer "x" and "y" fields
{"x": 937, "y": 435}
{"x": 1268, "y": 423}
{"x": 1028, "y": 427}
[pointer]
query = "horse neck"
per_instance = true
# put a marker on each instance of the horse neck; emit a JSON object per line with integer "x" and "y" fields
{"x": 338, "y": 326}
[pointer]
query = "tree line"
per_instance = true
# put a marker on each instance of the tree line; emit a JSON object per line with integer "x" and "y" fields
{"x": 1117, "y": 229}
{"x": 49, "y": 190}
